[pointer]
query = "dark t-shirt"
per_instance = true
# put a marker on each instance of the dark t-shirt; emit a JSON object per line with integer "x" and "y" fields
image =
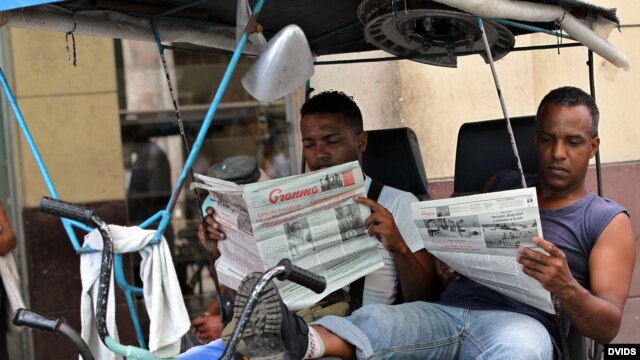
{"x": 573, "y": 229}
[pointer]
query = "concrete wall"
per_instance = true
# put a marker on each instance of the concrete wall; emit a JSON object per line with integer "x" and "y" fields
{"x": 433, "y": 101}
{"x": 72, "y": 113}
{"x": 439, "y": 100}
{"x": 374, "y": 86}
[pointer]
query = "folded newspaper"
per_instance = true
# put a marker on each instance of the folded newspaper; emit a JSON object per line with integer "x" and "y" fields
{"x": 478, "y": 237}
{"x": 310, "y": 218}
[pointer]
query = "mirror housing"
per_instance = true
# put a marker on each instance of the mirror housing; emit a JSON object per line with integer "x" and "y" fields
{"x": 285, "y": 64}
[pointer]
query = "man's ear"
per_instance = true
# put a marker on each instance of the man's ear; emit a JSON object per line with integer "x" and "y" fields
{"x": 361, "y": 141}
{"x": 595, "y": 145}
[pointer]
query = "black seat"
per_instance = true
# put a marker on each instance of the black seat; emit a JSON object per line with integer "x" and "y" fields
{"x": 483, "y": 149}
{"x": 393, "y": 158}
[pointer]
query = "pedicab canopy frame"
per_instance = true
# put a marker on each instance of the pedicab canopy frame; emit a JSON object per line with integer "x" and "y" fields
{"x": 432, "y": 32}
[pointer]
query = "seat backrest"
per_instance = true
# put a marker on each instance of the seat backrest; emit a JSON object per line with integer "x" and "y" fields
{"x": 484, "y": 149}
{"x": 393, "y": 158}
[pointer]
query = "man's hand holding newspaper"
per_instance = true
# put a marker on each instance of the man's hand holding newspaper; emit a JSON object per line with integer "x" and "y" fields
{"x": 310, "y": 218}
{"x": 479, "y": 236}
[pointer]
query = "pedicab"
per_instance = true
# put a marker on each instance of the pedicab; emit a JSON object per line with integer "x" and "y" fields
{"x": 430, "y": 32}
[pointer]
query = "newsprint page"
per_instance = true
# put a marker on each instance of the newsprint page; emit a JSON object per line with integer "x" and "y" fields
{"x": 311, "y": 219}
{"x": 478, "y": 236}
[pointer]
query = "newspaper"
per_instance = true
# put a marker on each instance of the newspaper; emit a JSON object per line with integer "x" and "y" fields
{"x": 311, "y": 219}
{"x": 478, "y": 237}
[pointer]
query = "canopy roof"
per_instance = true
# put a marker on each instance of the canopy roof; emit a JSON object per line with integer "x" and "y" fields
{"x": 332, "y": 26}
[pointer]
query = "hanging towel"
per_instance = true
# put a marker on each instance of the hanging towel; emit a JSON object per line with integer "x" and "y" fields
{"x": 11, "y": 281}
{"x": 168, "y": 315}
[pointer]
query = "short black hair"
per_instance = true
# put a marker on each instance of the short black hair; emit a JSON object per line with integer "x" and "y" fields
{"x": 335, "y": 102}
{"x": 570, "y": 96}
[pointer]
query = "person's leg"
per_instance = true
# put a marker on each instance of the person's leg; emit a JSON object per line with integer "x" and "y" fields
{"x": 334, "y": 345}
{"x": 492, "y": 335}
{"x": 415, "y": 330}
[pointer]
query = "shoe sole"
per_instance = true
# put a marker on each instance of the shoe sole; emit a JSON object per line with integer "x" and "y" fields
{"x": 262, "y": 333}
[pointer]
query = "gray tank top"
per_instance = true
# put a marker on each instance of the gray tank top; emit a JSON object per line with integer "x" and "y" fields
{"x": 574, "y": 229}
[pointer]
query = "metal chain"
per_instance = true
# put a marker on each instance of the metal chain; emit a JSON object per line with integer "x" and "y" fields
{"x": 558, "y": 24}
{"x": 73, "y": 40}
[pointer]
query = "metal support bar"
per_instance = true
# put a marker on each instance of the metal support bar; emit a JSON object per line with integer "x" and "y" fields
{"x": 592, "y": 88}
{"x": 531, "y": 27}
{"x": 457, "y": 53}
{"x": 333, "y": 32}
{"x": 186, "y": 5}
{"x": 512, "y": 139}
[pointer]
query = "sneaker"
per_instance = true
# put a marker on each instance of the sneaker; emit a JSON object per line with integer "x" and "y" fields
{"x": 272, "y": 332}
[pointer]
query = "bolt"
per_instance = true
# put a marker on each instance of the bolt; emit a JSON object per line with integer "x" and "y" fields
{"x": 427, "y": 24}
{"x": 470, "y": 41}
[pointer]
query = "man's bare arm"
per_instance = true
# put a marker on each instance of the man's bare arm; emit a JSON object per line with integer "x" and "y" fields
{"x": 418, "y": 278}
{"x": 416, "y": 271}
{"x": 610, "y": 268}
{"x": 596, "y": 314}
{"x": 7, "y": 236}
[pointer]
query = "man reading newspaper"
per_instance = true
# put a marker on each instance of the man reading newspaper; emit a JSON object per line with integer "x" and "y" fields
{"x": 332, "y": 133}
{"x": 294, "y": 217}
{"x": 587, "y": 264}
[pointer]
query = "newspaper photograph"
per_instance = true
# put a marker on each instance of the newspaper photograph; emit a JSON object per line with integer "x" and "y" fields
{"x": 311, "y": 219}
{"x": 478, "y": 236}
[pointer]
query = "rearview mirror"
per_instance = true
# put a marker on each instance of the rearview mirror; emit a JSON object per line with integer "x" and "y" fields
{"x": 284, "y": 64}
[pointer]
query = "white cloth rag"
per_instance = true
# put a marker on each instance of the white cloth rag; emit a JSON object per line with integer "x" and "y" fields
{"x": 11, "y": 281}
{"x": 168, "y": 315}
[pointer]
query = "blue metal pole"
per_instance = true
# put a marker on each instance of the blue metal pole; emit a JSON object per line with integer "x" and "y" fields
{"x": 532, "y": 28}
{"x": 128, "y": 290}
{"x": 205, "y": 126}
{"x": 66, "y": 223}
{"x": 28, "y": 137}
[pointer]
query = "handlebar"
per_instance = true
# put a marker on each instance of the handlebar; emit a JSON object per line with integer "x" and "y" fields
{"x": 301, "y": 276}
{"x": 82, "y": 214}
{"x": 32, "y": 319}
{"x": 67, "y": 210}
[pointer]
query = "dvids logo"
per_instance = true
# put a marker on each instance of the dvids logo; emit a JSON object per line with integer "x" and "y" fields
{"x": 621, "y": 351}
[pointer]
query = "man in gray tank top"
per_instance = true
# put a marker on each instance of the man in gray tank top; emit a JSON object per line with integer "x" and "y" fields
{"x": 583, "y": 235}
